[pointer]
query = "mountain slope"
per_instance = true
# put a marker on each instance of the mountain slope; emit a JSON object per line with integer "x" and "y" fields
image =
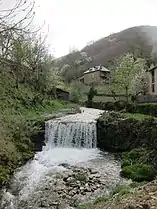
{"x": 139, "y": 40}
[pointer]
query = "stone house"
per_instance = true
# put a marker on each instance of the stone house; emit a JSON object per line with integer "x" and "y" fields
{"x": 95, "y": 75}
{"x": 152, "y": 80}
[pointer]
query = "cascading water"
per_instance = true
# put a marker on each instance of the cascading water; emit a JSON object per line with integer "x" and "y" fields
{"x": 70, "y": 139}
{"x": 70, "y": 134}
{"x": 77, "y": 131}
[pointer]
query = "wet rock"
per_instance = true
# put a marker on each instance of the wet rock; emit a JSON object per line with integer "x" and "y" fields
{"x": 93, "y": 172}
{"x": 55, "y": 203}
{"x": 145, "y": 206}
{"x": 44, "y": 204}
{"x": 65, "y": 188}
{"x": 87, "y": 189}
{"x": 66, "y": 165}
{"x": 96, "y": 175}
{"x": 130, "y": 207}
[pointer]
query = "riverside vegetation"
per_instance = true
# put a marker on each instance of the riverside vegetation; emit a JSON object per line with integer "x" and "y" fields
{"x": 27, "y": 89}
{"x": 133, "y": 137}
{"x": 22, "y": 107}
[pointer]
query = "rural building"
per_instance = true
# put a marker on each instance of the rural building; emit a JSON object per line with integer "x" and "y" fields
{"x": 95, "y": 75}
{"x": 152, "y": 80}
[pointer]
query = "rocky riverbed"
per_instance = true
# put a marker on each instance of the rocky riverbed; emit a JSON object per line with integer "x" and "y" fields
{"x": 71, "y": 185}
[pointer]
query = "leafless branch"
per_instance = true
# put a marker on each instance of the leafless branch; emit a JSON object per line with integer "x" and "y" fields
{"x": 8, "y": 17}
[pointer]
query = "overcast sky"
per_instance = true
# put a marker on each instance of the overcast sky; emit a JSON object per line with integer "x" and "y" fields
{"x": 73, "y": 23}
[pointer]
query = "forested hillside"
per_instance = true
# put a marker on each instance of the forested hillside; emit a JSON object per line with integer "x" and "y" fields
{"x": 140, "y": 41}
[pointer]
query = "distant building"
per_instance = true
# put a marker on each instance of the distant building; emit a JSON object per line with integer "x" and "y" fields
{"x": 152, "y": 80}
{"x": 95, "y": 75}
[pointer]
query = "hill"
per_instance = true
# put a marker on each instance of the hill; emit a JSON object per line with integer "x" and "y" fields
{"x": 140, "y": 40}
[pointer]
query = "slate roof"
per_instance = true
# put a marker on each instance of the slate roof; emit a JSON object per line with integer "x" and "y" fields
{"x": 96, "y": 68}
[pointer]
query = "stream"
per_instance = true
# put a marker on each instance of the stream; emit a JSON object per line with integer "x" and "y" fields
{"x": 69, "y": 170}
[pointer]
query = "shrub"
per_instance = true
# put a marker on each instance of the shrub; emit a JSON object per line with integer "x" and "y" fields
{"x": 74, "y": 96}
{"x": 4, "y": 175}
{"x": 125, "y": 163}
{"x": 119, "y": 105}
{"x": 118, "y": 133}
{"x": 113, "y": 106}
{"x": 137, "y": 155}
{"x": 139, "y": 172}
{"x": 147, "y": 108}
{"x": 110, "y": 106}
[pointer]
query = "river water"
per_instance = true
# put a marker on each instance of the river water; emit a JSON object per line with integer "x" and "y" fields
{"x": 70, "y": 144}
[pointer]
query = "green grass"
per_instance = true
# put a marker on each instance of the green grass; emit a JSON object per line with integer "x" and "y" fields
{"x": 48, "y": 108}
{"x": 101, "y": 199}
{"x": 118, "y": 190}
{"x": 137, "y": 116}
{"x": 85, "y": 206}
{"x": 116, "y": 194}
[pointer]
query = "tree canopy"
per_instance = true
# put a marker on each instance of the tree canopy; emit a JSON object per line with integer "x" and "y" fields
{"x": 128, "y": 74}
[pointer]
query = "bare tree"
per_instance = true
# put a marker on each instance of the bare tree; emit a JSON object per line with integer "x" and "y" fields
{"x": 15, "y": 22}
{"x": 10, "y": 20}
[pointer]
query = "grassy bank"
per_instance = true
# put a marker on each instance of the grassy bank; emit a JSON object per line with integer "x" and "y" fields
{"x": 134, "y": 136}
{"x": 127, "y": 197}
{"x": 22, "y": 106}
{"x": 17, "y": 127}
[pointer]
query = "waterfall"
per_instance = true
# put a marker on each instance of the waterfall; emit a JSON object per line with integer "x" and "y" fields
{"x": 72, "y": 131}
{"x": 70, "y": 139}
{"x": 70, "y": 134}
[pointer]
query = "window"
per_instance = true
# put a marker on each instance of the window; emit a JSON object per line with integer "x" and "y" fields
{"x": 153, "y": 76}
{"x": 153, "y": 81}
{"x": 153, "y": 87}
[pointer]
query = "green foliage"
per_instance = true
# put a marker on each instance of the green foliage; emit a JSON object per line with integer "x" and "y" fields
{"x": 76, "y": 92}
{"x": 17, "y": 125}
{"x": 75, "y": 96}
{"x": 113, "y": 128}
{"x": 21, "y": 107}
{"x": 137, "y": 116}
{"x": 4, "y": 175}
{"x": 115, "y": 106}
{"x": 137, "y": 165}
{"x": 147, "y": 108}
{"x": 92, "y": 92}
{"x": 139, "y": 172}
{"x": 73, "y": 65}
{"x": 126, "y": 70}
{"x": 28, "y": 77}
{"x": 125, "y": 163}
{"x": 140, "y": 155}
